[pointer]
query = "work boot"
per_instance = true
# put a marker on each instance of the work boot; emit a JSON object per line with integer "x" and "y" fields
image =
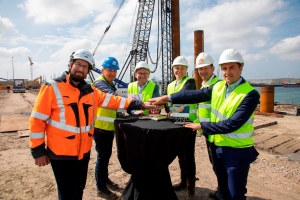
{"x": 216, "y": 195}
{"x": 107, "y": 194}
{"x": 182, "y": 184}
{"x": 112, "y": 185}
{"x": 191, "y": 186}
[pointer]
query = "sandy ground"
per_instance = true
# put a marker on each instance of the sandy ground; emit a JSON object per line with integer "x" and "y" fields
{"x": 272, "y": 176}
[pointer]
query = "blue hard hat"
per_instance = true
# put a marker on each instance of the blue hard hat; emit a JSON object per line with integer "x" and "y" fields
{"x": 111, "y": 63}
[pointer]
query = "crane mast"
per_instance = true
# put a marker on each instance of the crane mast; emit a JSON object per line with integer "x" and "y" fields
{"x": 167, "y": 44}
{"x": 142, "y": 34}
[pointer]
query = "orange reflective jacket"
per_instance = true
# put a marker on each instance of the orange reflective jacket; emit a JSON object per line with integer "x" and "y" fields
{"x": 63, "y": 118}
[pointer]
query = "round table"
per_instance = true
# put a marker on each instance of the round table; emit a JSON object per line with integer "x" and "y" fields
{"x": 145, "y": 149}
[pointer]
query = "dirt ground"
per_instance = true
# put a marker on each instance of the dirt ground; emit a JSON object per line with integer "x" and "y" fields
{"x": 274, "y": 175}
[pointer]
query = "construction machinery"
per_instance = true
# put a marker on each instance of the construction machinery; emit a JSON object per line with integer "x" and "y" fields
{"x": 31, "y": 84}
{"x": 19, "y": 86}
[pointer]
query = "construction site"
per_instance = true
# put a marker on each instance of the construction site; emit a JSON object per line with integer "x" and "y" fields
{"x": 274, "y": 175}
{"x": 21, "y": 85}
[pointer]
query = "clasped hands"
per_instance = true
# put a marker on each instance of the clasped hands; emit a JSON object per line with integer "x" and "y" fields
{"x": 159, "y": 102}
{"x": 155, "y": 103}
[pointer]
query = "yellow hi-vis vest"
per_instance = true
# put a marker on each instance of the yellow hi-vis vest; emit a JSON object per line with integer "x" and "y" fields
{"x": 105, "y": 117}
{"x": 222, "y": 109}
{"x": 193, "y": 107}
{"x": 147, "y": 92}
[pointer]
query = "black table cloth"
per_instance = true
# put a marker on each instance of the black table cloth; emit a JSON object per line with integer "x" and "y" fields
{"x": 145, "y": 149}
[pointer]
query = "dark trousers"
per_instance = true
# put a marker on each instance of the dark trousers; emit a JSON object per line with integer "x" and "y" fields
{"x": 70, "y": 177}
{"x": 104, "y": 142}
{"x": 208, "y": 144}
{"x": 231, "y": 166}
{"x": 186, "y": 157}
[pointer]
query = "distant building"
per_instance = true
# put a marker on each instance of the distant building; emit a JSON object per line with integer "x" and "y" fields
{"x": 276, "y": 82}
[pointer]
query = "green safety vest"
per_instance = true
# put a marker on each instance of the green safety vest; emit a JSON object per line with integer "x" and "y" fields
{"x": 222, "y": 109}
{"x": 193, "y": 107}
{"x": 105, "y": 117}
{"x": 147, "y": 92}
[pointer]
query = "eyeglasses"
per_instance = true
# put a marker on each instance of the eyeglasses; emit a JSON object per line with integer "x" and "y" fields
{"x": 142, "y": 74}
{"x": 79, "y": 65}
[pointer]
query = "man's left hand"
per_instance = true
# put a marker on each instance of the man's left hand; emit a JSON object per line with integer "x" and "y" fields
{"x": 194, "y": 126}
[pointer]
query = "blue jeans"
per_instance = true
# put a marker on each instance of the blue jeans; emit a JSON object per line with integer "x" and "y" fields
{"x": 232, "y": 167}
{"x": 104, "y": 142}
{"x": 70, "y": 176}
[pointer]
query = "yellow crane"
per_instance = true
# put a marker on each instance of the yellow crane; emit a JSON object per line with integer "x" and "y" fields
{"x": 33, "y": 81}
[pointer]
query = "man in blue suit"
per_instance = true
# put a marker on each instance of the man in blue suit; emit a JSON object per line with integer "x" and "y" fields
{"x": 230, "y": 130}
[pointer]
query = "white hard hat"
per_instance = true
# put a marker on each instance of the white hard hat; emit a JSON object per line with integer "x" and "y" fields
{"x": 141, "y": 65}
{"x": 203, "y": 59}
{"x": 180, "y": 60}
{"x": 231, "y": 55}
{"x": 84, "y": 55}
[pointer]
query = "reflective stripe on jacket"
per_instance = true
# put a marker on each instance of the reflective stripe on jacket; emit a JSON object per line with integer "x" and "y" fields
{"x": 63, "y": 117}
{"x": 204, "y": 107}
{"x": 147, "y": 92}
{"x": 192, "y": 107}
{"x": 105, "y": 117}
{"x": 222, "y": 109}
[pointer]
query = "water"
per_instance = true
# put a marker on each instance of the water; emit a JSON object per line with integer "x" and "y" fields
{"x": 287, "y": 95}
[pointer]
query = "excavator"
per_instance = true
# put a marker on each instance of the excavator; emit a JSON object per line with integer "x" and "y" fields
{"x": 39, "y": 79}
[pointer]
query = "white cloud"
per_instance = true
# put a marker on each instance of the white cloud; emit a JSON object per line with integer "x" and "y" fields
{"x": 5, "y": 25}
{"x": 288, "y": 48}
{"x": 236, "y": 23}
{"x": 14, "y": 52}
{"x": 65, "y": 51}
{"x": 62, "y": 12}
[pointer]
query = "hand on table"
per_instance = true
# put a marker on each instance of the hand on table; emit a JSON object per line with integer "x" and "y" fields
{"x": 42, "y": 161}
{"x": 194, "y": 126}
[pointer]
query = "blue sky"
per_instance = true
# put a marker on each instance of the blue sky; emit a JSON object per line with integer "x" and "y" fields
{"x": 265, "y": 32}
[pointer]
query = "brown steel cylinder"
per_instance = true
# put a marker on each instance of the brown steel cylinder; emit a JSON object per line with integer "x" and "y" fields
{"x": 198, "y": 48}
{"x": 175, "y": 29}
{"x": 175, "y": 32}
{"x": 267, "y": 99}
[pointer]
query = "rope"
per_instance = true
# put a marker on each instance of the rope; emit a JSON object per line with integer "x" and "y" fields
{"x": 157, "y": 54}
{"x": 108, "y": 27}
{"x": 129, "y": 33}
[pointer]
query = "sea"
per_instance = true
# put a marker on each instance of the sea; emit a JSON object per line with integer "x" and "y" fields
{"x": 285, "y": 94}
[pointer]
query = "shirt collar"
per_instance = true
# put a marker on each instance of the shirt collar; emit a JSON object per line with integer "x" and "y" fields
{"x": 231, "y": 87}
{"x": 142, "y": 85}
{"x": 209, "y": 80}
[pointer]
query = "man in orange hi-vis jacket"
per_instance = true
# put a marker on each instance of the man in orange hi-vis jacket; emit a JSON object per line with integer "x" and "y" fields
{"x": 62, "y": 124}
